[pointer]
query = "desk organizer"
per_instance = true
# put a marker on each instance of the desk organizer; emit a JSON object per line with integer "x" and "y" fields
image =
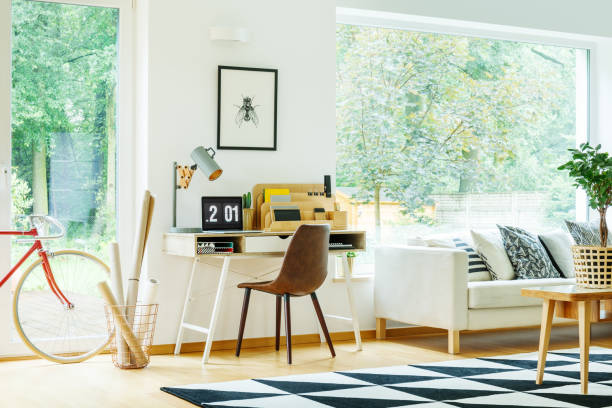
{"x": 306, "y": 197}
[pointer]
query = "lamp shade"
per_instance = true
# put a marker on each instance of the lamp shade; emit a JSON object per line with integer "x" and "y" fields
{"x": 206, "y": 162}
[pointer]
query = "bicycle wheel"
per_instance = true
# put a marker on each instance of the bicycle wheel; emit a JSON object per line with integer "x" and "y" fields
{"x": 52, "y": 330}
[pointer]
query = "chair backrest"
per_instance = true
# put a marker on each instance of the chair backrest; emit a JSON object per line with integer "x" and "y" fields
{"x": 305, "y": 264}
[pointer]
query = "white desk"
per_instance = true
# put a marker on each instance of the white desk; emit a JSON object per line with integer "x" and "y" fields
{"x": 261, "y": 244}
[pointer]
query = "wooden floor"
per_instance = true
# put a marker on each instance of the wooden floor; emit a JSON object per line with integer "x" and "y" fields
{"x": 97, "y": 383}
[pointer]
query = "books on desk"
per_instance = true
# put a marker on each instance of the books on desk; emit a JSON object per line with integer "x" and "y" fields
{"x": 339, "y": 245}
{"x": 215, "y": 247}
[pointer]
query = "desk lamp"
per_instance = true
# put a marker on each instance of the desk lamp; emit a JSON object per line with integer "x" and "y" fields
{"x": 181, "y": 177}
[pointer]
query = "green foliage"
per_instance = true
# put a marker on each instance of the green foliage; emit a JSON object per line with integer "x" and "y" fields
{"x": 246, "y": 200}
{"x": 64, "y": 83}
{"x": 591, "y": 170}
{"x": 422, "y": 113}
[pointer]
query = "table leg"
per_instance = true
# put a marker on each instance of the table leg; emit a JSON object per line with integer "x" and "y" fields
{"x": 584, "y": 327}
{"x": 548, "y": 310}
{"x": 215, "y": 314}
{"x": 348, "y": 271}
{"x": 179, "y": 336}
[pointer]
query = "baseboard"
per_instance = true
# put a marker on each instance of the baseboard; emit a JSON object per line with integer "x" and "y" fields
{"x": 412, "y": 331}
{"x": 256, "y": 342}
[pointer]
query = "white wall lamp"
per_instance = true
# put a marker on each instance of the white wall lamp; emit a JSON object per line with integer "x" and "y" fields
{"x": 237, "y": 34}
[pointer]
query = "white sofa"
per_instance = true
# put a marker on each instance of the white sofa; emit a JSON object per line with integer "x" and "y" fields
{"x": 428, "y": 286}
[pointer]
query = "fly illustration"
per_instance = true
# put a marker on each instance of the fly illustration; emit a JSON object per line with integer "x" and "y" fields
{"x": 246, "y": 111}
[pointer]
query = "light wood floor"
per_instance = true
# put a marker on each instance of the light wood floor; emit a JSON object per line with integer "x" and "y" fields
{"x": 97, "y": 383}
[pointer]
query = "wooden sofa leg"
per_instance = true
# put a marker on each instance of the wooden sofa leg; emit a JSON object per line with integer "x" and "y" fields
{"x": 453, "y": 342}
{"x": 381, "y": 328}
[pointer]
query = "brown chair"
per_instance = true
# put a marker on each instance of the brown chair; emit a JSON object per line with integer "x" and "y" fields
{"x": 303, "y": 271}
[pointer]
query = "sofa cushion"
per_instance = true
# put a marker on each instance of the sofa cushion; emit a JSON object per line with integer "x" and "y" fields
{"x": 527, "y": 255}
{"x": 558, "y": 245}
{"x": 496, "y": 294}
{"x": 491, "y": 249}
{"x": 477, "y": 269}
{"x": 586, "y": 233}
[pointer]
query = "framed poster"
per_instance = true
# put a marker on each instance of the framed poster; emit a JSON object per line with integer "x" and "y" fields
{"x": 246, "y": 111}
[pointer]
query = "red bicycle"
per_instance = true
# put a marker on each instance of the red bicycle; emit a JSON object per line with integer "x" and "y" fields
{"x": 57, "y": 309}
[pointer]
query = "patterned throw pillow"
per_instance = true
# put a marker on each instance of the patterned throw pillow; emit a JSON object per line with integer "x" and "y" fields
{"x": 477, "y": 269}
{"x": 527, "y": 255}
{"x": 585, "y": 233}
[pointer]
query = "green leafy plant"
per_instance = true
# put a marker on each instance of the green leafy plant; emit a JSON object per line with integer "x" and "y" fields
{"x": 246, "y": 200}
{"x": 591, "y": 170}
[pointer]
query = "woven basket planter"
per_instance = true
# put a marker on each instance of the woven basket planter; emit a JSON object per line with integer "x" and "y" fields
{"x": 593, "y": 266}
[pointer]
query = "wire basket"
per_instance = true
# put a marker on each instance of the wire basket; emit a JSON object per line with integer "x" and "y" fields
{"x": 593, "y": 266}
{"x": 142, "y": 328}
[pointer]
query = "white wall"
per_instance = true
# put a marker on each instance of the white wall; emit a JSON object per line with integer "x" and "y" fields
{"x": 298, "y": 38}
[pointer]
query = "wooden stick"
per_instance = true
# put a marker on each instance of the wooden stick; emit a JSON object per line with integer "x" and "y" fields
{"x": 122, "y": 324}
{"x": 117, "y": 285}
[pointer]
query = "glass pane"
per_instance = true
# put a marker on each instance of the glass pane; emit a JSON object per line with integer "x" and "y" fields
{"x": 64, "y": 108}
{"x": 442, "y": 133}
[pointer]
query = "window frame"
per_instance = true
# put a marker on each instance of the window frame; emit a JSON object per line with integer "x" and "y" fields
{"x": 126, "y": 165}
{"x": 435, "y": 25}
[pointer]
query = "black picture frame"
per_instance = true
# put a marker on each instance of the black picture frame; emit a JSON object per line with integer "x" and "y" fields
{"x": 222, "y": 224}
{"x": 223, "y": 145}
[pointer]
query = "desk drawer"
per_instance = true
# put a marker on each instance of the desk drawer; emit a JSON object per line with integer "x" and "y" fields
{"x": 266, "y": 244}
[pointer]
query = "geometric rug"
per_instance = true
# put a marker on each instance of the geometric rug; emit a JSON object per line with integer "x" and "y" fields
{"x": 505, "y": 381}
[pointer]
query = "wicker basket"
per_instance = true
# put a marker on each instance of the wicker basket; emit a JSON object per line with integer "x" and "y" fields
{"x": 593, "y": 266}
{"x": 144, "y": 318}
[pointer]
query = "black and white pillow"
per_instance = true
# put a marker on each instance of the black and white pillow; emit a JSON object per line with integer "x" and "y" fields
{"x": 477, "y": 269}
{"x": 585, "y": 233}
{"x": 527, "y": 255}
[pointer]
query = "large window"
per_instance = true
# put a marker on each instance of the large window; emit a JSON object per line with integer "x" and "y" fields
{"x": 439, "y": 133}
{"x": 64, "y": 116}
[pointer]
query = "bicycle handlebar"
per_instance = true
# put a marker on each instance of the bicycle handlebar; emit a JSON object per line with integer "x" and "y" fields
{"x": 37, "y": 222}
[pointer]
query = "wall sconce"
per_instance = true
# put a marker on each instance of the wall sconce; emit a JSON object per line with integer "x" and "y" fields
{"x": 237, "y": 34}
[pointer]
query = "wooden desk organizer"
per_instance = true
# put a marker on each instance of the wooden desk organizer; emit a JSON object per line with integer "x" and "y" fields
{"x": 306, "y": 203}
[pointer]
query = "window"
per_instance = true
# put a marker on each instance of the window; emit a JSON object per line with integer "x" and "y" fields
{"x": 440, "y": 133}
{"x": 64, "y": 116}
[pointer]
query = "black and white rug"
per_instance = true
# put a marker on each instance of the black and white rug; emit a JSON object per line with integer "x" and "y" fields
{"x": 506, "y": 381}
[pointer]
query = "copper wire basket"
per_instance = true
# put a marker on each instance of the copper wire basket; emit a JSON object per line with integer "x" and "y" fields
{"x": 141, "y": 319}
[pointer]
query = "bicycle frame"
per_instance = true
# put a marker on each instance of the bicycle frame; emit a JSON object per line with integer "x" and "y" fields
{"x": 42, "y": 253}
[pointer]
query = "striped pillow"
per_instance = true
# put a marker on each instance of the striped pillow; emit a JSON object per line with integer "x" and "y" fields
{"x": 477, "y": 269}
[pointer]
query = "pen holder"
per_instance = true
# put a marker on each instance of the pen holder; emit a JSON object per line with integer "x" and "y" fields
{"x": 247, "y": 218}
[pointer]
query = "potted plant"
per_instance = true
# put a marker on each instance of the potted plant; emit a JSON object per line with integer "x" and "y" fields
{"x": 247, "y": 212}
{"x": 591, "y": 170}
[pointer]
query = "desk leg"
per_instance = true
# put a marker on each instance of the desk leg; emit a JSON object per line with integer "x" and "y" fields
{"x": 584, "y": 327}
{"x": 548, "y": 310}
{"x": 179, "y": 337}
{"x": 215, "y": 314}
{"x": 348, "y": 271}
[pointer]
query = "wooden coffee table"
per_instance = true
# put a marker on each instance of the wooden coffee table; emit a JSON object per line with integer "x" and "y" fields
{"x": 571, "y": 302}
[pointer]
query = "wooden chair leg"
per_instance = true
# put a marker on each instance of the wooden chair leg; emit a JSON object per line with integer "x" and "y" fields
{"x": 381, "y": 328}
{"x": 278, "y": 321}
{"x": 245, "y": 308}
{"x": 453, "y": 341}
{"x": 288, "y": 325}
{"x": 317, "y": 307}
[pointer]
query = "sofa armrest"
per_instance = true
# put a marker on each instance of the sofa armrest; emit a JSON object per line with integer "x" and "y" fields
{"x": 422, "y": 285}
